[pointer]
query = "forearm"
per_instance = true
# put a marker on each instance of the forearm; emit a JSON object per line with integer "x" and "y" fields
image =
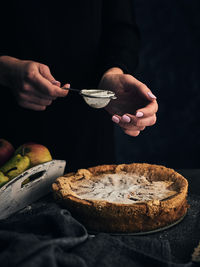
{"x": 7, "y": 70}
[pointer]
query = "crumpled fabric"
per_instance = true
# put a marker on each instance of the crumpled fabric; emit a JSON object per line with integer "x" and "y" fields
{"x": 41, "y": 237}
{"x": 44, "y": 234}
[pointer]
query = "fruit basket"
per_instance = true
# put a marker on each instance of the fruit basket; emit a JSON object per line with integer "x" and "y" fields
{"x": 29, "y": 186}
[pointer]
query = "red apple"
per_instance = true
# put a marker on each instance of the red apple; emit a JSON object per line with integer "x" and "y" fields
{"x": 37, "y": 153}
{"x": 6, "y": 151}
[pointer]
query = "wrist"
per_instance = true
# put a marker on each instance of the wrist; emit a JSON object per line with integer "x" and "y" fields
{"x": 114, "y": 70}
{"x": 7, "y": 69}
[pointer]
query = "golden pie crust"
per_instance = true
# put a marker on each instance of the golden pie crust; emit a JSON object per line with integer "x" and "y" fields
{"x": 101, "y": 215}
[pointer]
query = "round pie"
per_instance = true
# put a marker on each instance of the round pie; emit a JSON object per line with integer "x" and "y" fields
{"x": 126, "y": 198}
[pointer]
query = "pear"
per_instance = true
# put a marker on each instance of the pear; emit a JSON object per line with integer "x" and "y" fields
{"x": 3, "y": 179}
{"x": 15, "y": 166}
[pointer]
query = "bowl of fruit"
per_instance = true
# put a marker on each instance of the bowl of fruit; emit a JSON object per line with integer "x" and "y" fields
{"x": 26, "y": 175}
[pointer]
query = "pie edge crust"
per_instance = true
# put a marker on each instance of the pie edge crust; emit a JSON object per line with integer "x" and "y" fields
{"x": 103, "y": 216}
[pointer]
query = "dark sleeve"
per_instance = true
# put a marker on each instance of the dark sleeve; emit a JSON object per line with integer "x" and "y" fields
{"x": 6, "y": 29}
{"x": 120, "y": 36}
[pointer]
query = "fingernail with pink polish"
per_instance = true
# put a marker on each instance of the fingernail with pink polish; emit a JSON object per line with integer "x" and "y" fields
{"x": 139, "y": 114}
{"x": 115, "y": 119}
{"x": 55, "y": 83}
{"x": 151, "y": 95}
{"x": 67, "y": 85}
{"x": 126, "y": 118}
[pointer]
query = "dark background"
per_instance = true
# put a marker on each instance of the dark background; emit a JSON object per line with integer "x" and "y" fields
{"x": 169, "y": 64}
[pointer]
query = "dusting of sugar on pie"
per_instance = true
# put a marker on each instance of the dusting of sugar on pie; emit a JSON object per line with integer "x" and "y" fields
{"x": 126, "y": 188}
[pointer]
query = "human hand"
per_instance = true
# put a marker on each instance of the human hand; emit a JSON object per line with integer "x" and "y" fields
{"x": 135, "y": 106}
{"x": 32, "y": 83}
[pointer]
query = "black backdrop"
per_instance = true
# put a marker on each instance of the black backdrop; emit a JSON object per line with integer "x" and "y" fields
{"x": 169, "y": 63}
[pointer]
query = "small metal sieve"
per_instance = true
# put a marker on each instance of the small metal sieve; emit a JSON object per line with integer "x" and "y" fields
{"x": 95, "y": 98}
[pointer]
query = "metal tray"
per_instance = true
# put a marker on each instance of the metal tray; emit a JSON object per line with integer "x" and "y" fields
{"x": 15, "y": 195}
{"x": 92, "y": 233}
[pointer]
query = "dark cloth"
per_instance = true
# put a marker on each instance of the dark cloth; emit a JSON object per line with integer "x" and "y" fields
{"x": 78, "y": 40}
{"x": 46, "y": 235}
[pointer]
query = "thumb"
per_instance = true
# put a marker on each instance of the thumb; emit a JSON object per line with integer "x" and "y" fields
{"x": 65, "y": 86}
{"x": 46, "y": 73}
{"x": 143, "y": 89}
{"x": 151, "y": 96}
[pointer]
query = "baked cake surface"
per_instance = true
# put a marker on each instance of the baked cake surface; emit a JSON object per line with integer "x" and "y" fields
{"x": 124, "y": 198}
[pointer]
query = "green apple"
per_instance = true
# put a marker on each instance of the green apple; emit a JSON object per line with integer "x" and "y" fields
{"x": 6, "y": 151}
{"x": 37, "y": 153}
{"x": 15, "y": 166}
{"x": 3, "y": 179}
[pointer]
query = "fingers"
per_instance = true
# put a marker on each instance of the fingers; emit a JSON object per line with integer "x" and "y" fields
{"x": 145, "y": 116}
{"x": 57, "y": 83}
{"x": 32, "y": 106}
{"x": 148, "y": 110}
{"x": 128, "y": 121}
{"x": 45, "y": 72}
{"x": 47, "y": 88}
{"x": 41, "y": 79}
{"x": 132, "y": 132}
{"x": 132, "y": 125}
{"x": 33, "y": 102}
{"x": 31, "y": 90}
{"x": 29, "y": 97}
{"x": 36, "y": 87}
{"x": 146, "y": 92}
{"x": 65, "y": 86}
{"x": 32, "y": 98}
{"x": 143, "y": 90}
